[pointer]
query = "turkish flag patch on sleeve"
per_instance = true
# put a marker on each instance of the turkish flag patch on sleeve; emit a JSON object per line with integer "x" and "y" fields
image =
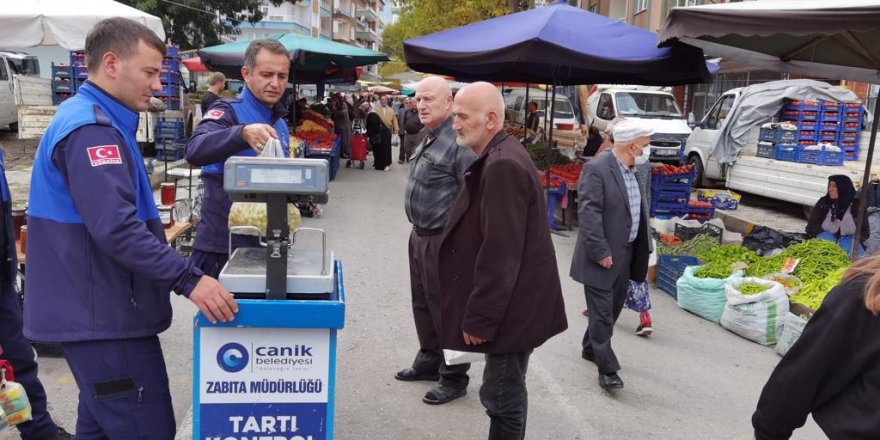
{"x": 213, "y": 114}
{"x": 104, "y": 155}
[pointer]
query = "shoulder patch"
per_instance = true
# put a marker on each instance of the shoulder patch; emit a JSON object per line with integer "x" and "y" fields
{"x": 214, "y": 114}
{"x": 104, "y": 155}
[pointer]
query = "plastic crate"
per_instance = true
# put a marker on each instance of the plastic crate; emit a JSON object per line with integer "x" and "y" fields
{"x": 849, "y": 136}
{"x": 777, "y": 135}
{"x": 169, "y": 90}
{"x": 701, "y": 211}
{"x": 63, "y": 85}
{"x": 673, "y": 181}
{"x": 851, "y": 155}
{"x": 170, "y": 77}
{"x": 686, "y": 233}
{"x": 799, "y": 116}
{"x": 171, "y": 102}
{"x": 765, "y": 149}
{"x": 803, "y": 106}
{"x": 822, "y": 157}
{"x": 829, "y": 135}
{"x": 58, "y": 98}
{"x": 830, "y": 116}
{"x": 670, "y": 268}
{"x": 169, "y": 155}
{"x": 831, "y": 106}
{"x": 171, "y": 63}
{"x": 77, "y": 57}
{"x": 789, "y": 153}
{"x": 808, "y": 135}
{"x": 170, "y": 144}
{"x": 61, "y": 71}
{"x": 671, "y": 196}
{"x": 851, "y": 126}
{"x": 172, "y": 50}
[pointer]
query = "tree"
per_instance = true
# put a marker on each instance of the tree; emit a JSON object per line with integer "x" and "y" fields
{"x": 199, "y": 23}
{"x": 422, "y": 17}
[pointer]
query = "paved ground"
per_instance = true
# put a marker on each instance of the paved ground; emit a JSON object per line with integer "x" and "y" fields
{"x": 691, "y": 380}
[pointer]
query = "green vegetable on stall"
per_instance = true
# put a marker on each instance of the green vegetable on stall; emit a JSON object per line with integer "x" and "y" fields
{"x": 813, "y": 293}
{"x": 724, "y": 260}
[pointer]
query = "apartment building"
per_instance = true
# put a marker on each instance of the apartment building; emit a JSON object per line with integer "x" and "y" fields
{"x": 354, "y": 22}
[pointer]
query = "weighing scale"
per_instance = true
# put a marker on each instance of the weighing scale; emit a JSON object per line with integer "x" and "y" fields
{"x": 270, "y": 373}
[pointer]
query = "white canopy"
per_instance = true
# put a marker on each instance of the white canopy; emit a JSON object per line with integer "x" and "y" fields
{"x": 28, "y": 23}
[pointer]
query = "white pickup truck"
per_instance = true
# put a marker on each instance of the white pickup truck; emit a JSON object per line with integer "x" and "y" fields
{"x": 791, "y": 182}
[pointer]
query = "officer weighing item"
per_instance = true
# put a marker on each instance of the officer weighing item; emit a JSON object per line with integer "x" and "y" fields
{"x": 270, "y": 373}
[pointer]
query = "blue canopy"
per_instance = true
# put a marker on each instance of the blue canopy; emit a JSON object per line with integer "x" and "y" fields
{"x": 556, "y": 44}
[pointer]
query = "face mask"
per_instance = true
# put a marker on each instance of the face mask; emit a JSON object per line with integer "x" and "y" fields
{"x": 646, "y": 155}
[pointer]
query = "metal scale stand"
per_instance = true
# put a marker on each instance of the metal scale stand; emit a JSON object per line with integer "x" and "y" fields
{"x": 271, "y": 371}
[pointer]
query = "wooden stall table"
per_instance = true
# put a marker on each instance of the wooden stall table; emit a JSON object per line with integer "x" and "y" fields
{"x": 172, "y": 233}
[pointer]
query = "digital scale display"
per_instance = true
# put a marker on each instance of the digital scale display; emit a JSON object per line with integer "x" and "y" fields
{"x": 277, "y": 175}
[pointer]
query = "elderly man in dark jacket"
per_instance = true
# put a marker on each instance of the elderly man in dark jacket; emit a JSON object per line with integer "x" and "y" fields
{"x": 613, "y": 242}
{"x": 500, "y": 291}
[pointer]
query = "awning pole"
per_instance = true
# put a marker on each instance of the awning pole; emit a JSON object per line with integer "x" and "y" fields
{"x": 866, "y": 180}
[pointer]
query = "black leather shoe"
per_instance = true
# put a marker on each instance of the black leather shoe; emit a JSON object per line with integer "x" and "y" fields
{"x": 588, "y": 355}
{"x": 62, "y": 435}
{"x": 610, "y": 381}
{"x": 410, "y": 374}
{"x": 441, "y": 394}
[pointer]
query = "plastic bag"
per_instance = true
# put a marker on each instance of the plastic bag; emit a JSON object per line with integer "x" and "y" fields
{"x": 637, "y": 297}
{"x": 15, "y": 403}
{"x": 791, "y": 283}
{"x": 758, "y": 317}
{"x": 455, "y": 357}
{"x": 704, "y": 297}
{"x": 395, "y": 141}
{"x": 792, "y": 327}
{"x": 254, "y": 214}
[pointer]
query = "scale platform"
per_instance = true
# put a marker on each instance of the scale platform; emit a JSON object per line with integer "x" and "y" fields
{"x": 245, "y": 273}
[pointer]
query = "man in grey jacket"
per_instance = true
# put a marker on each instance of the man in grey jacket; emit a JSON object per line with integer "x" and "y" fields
{"x": 613, "y": 241}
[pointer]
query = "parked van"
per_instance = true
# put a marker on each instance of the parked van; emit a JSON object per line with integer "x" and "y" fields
{"x": 655, "y": 105}
{"x": 13, "y": 63}
{"x": 567, "y": 129}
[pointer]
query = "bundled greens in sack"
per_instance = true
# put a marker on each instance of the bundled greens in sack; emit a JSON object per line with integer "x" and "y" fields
{"x": 755, "y": 308}
{"x": 792, "y": 327}
{"x": 703, "y": 296}
{"x": 254, "y": 214}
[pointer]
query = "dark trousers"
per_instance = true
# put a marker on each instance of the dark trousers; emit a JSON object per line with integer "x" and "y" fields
{"x": 211, "y": 263}
{"x": 123, "y": 389}
{"x": 425, "y": 284}
{"x": 504, "y": 394}
{"x": 18, "y": 351}
{"x": 605, "y": 306}
{"x": 402, "y": 153}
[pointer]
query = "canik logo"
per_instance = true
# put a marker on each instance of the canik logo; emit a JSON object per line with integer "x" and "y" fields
{"x": 232, "y": 357}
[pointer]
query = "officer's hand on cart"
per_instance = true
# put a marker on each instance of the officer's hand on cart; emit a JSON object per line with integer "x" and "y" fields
{"x": 215, "y": 302}
{"x": 257, "y": 135}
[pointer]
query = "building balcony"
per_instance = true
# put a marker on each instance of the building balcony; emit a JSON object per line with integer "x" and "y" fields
{"x": 366, "y": 36}
{"x": 368, "y": 14}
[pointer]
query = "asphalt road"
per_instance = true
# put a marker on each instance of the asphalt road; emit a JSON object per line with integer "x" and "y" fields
{"x": 691, "y": 380}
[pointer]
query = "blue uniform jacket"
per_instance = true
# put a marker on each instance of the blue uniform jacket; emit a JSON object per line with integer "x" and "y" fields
{"x": 98, "y": 264}
{"x": 217, "y": 138}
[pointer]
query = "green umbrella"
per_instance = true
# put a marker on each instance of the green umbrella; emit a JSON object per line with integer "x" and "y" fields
{"x": 307, "y": 53}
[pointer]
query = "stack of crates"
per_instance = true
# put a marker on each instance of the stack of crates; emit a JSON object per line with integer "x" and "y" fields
{"x": 670, "y": 194}
{"x": 778, "y": 142}
{"x": 171, "y": 79}
{"x": 170, "y": 139}
{"x": 829, "y": 122}
{"x": 63, "y": 85}
{"x": 805, "y": 115}
{"x": 851, "y": 117}
{"x": 79, "y": 69}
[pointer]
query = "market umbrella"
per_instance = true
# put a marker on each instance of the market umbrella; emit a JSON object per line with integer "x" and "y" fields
{"x": 556, "y": 44}
{"x": 307, "y": 54}
{"x": 382, "y": 90}
{"x": 195, "y": 65}
{"x": 838, "y": 39}
{"x": 62, "y": 22}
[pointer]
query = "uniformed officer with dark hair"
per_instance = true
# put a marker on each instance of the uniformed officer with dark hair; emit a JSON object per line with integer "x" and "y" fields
{"x": 100, "y": 271}
{"x": 239, "y": 126}
{"x": 13, "y": 345}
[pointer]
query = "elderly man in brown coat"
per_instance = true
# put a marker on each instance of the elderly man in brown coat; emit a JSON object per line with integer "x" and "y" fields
{"x": 500, "y": 291}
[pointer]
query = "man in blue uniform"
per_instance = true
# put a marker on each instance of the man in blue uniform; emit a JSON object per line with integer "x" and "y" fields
{"x": 13, "y": 346}
{"x": 238, "y": 126}
{"x": 99, "y": 269}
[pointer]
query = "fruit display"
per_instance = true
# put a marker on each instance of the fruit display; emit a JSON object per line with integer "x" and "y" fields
{"x": 671, "y": 170}
{"x": 517, "y": 132}
{"x": 317, "y": 118}
{"x": 297, "y": 147}
{"x": 317, "y": 140}
{"x": 308, "y": 125}
{"x": 569, "y": 173}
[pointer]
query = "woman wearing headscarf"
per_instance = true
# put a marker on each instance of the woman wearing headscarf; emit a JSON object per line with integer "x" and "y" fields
{"x": 834, "y": 216}
{"x": 379, "y": 136}
{"x": 341, "y": 124}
